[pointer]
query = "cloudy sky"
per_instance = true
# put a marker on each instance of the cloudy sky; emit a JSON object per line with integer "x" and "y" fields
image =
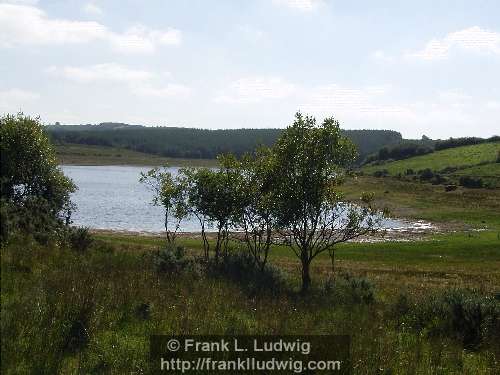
{"x": 419, "y": 67}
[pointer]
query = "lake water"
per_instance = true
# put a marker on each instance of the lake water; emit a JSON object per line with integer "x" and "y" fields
{"x": 111, "y": 197}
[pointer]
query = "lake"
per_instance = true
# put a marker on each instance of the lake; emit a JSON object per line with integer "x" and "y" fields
{"x": 111, "y": 197}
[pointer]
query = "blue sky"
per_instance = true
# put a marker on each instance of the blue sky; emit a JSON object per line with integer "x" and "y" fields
{"x": 418, "y": 67}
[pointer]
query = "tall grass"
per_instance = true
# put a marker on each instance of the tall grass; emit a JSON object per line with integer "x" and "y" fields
{"x": 65, "y": 311}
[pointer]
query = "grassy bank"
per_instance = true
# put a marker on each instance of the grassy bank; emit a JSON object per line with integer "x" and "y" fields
{"x": 459, "y": 209}
{"x": 440, "y": 261}
{"x": 66, "y": 312}
{"x": 76, "y": 154}
{"x": 454, "y": 157}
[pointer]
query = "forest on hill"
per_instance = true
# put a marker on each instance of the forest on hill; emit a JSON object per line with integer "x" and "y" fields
{"x": 192, "y": 143}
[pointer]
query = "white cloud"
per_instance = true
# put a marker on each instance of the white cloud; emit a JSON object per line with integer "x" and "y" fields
{"x": 110, "y": 72}
{"x": 470, "y": 39}
{"x": 142, "y": 39}
{"x": 92, "y": 9}
{"x": 255, "y": 89}
{"x": 251, "y": 33}
{"x": 13, "y": 99}
{"x": 139, "y": 82}
{"x": 23, "y": 2}
{"x": 20, "y": 24}
{"x": 165, "y": 91}
{"x": 380, "y": 55}
{"x": 301, "y": 5}
{"x": 334, "y": 99}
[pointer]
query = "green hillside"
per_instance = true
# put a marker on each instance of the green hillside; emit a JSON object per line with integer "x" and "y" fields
{"x": 459, "y": 157}
{"x": 77, "y": 154}
{"x": 190, "y": 143}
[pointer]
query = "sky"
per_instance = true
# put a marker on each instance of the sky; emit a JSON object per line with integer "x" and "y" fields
{"x": 418, "y": 67}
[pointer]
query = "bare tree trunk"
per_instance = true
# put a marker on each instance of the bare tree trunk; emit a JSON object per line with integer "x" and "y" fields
{"x": 218, "y": 245}
{"x": 332, "y": 258}
{"x": 306, "y": 277}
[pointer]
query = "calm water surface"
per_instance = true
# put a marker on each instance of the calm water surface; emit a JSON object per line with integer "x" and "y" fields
{"x": 111, "y": 197}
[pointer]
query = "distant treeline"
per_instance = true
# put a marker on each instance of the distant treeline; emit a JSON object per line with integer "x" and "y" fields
{"x": 457, "y": 142}
{"x": 197, "y": 143}
{"x": 408, "y": 149}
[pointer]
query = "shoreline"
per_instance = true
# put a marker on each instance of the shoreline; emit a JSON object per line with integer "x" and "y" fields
{"x": 419, "y": 230}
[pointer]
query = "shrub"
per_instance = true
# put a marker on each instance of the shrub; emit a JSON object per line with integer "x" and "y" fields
{"x": 79, "y": 238}
{"x": 465, "y": 315}
{"x": 457, "y": 142}
{"x": 438, "y": 179}
{"x": 240, "y": 267}
{"x": 409, "y": 172}
{"x": 450, "y": 187}
{"x": 471, "y": 182}
{"x": 381, "y": 173}
{"x": 426, "y": 174}
{"x": 449, "y": 170}
{"x": 172, "y": 259}
{"x": 349, "y": 289}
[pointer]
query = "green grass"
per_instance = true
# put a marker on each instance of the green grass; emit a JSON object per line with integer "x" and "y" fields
{"x": 444, "y": 260}
{"x": 453, "y": 157}
{"x": 491, "y": 170}
{"x": 48, "y": 291}
{"x": 77, "y": 154}
{"x": 453, "y": 210}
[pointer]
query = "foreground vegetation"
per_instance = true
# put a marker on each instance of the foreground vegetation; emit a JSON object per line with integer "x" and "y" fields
{"x": 77, "y": 303}
{"x": 65, "y": 311}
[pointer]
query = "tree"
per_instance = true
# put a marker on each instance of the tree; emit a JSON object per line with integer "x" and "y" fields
{"x": 312, "y": 216}
{"x": 213, "y": 197}
{"x": 31, "y": 182}
{"x": 256, "y": 215}
{"x": 170, "y": 193}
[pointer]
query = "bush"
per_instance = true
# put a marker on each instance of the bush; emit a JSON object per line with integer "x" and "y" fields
{"x": 438, "y": 179}
{"x": 464, "y": 315}
{"x": 398, "y": 152}
{"x": 381, "y": 173}
{"x": 450, "y": 187}
{"x": 172, "y": 259}
{"x": 471, "y": 182}
{"x": 426, "y": 174}
{"x": 350, "y": 289}
{"x": 79, "y": 238}
{"x": 457, "y": 142}
{"x": 240, "y": 267}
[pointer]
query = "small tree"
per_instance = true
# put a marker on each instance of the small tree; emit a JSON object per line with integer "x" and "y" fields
{"x": 34, "y": 191}
{"x": 213, "y": 198}
{"x": 256, "y": 215}
{"x": 169, "y": 192}
{"x": 309, "y": 167}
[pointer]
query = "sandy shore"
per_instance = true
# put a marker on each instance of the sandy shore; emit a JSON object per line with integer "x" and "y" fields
{"x": 412, "y": 231}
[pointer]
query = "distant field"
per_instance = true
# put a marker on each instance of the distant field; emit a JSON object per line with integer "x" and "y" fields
{"x": 76, "y": 154}
{"x": 408, "y": 199}
{"x": 453, "y": 157}
{"x": 487, "y": 170}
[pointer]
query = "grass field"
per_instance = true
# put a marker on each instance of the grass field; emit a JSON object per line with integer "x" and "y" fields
{"x": 65, "y": 312}
{"x": 491, "y": 170}
{"x": 77, "y": 154}
{"x": 457, "y": 209}
{"x": 453, "y": 157}
{"x": 464, "y": 259}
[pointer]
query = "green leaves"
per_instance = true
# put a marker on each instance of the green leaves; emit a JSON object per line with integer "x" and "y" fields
{"x": 34, "y": 191}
